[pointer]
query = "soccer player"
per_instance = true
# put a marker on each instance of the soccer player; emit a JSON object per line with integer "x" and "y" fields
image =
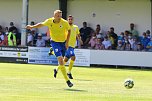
{"x": 59, "y": 33}
{"x": 75, "y": 34}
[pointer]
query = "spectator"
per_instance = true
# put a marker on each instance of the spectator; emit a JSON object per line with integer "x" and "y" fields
{"x": 85, "y": 33}
{"x": 114, "y": 38}
{"x": 139, "y": 48}
{"x": 40, "y": 42}
{"x": 11, "y": 38}
{"x": 133, "y": 31}
{"x": 148, "y": 34}
{"x": 120, "y": 45}
{"x": 5, "y": 40}
{"x": 134, "y": 44}
{"x": 6, "y": 31}
{"x": 30, "y": 38}
{"x": 1, "y": 39}
{"x": 92, "y": 41}
{"x": 144, "y": 41}
{"x": 13, "y": 28}
{"x": 15, "y": 32}
{"x": 98, "y": 44}
{"x": 106, "y": 43}
{"x": 98, "y": 32}
{"x": 127, "y": 46}
{"x": 149, "y": 46}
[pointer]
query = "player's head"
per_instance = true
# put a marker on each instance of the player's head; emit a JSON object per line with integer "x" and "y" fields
{"x": 58, "y": 14}
{"x": 70, "y": 19}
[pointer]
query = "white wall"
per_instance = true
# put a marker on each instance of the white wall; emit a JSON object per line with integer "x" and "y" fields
{"x": 39, "y": 10}
{"x": 124, "y": 58}
{"x": 118, "y": 13}
{"x": 10, "y": 10}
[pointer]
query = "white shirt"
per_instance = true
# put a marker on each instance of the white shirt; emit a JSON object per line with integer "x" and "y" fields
{"x": 40, "y": 43}
{"x": 106, "y": 43}
{"x": 29, "y": 38}
{"x": 2, "y": 37}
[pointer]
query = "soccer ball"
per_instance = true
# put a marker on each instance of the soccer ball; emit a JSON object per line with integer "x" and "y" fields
{"x": 129, "y": 83}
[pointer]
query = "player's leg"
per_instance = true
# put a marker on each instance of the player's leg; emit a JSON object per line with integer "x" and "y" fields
{"x": 72, "y": 55}
{"x": 59, "y": 51}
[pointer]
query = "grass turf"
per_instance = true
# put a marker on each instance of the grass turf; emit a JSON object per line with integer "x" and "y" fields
{"x": 25, "y": 82}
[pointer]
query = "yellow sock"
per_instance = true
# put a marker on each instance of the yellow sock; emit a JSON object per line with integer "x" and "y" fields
{"x": 71, "y": 65}
{"x": 59, "y": 67}
{"x": 63, "y": 70}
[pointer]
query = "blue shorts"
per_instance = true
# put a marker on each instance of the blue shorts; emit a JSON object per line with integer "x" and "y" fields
{"x": 58, "y": 48}
{"x": 70, "y": 52}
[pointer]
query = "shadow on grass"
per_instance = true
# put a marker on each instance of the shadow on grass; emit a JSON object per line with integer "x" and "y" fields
{"x": 75, "y": 90}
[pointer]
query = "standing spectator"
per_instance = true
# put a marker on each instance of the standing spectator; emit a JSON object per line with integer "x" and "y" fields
{"x": 133, "y": 31}
{"x": 11, "y": 38}
{"x": 1, "y": 39}
{"x": 13, "y": 28}
{"x": 85, "y": 33}
{"x": 15, "y": 32}
{"x": 40, "y": 42}
{"x": 114, "y": 38}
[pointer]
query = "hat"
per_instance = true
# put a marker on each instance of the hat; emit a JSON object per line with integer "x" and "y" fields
{"x": 39, "y": 34}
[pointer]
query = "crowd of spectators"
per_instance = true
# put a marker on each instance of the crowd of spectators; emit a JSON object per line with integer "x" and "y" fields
{"x": 129, "y": 40}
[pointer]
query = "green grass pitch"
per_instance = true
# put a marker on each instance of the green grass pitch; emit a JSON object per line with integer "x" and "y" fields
{"x": 25, "y": 82}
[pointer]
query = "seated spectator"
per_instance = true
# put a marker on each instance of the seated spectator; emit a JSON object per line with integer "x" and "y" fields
{"x": 1, "y": 39}
{"x": 29, "y": 38}
{"x": 120, "y": 45}
{"x": 11, "y": 38}
{"x": 134, "y": 44}
{"x": 5, "y": 40}
{"x": 40, "y": 42}
{"x": 6, "y": 31}
{"x": 139, "y": 48}
{"x": 92, "y": 41}
{"x": 133, "y": 31}
{"x": 114, "y": 38}
{"x": 107, "y": 43}
{"x": 127, "y": 46}
{"x": 126, "y": 34}
{"x": 144, "y": 41}
{"x": 99, "y": 45}
{"x": 149, "y": 46}
{"x": 148, "y": 34}
{"x": 85, "y": 33}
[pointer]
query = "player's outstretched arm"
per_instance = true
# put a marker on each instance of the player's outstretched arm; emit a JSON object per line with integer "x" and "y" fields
{"x": 38, "y": 25}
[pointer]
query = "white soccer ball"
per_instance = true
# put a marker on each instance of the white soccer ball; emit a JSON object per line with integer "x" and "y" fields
{"x": 129, "y": 83}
